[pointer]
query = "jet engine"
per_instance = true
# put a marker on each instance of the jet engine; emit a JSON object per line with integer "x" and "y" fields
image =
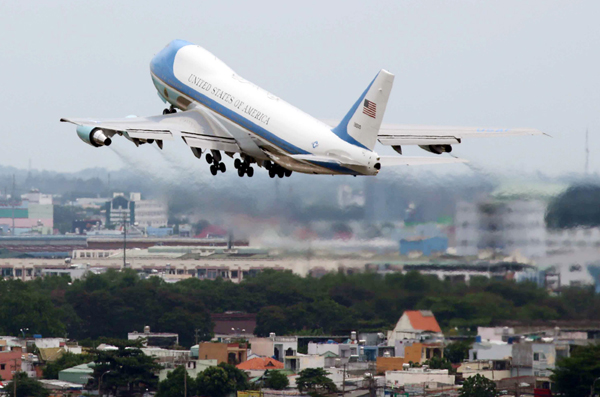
{"x": 437, "y": 149}
{"x": 93, "y": 136}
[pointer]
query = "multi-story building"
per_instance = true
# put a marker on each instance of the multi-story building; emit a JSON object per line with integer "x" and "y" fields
{"x": 144, "y": 213}
{"x": 34, "y": 213}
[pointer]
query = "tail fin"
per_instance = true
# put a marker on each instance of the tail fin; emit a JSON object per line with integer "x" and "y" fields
{"x": 361, "y": 125}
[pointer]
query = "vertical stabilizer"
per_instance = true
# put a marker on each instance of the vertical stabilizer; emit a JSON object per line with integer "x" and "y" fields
{"x": 361, "y": 125}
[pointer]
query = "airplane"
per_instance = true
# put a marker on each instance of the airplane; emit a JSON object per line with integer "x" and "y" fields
{"x": 215, "y": 110}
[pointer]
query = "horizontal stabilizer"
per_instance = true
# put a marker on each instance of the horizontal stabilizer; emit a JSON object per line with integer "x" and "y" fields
{"x": 388, "y": 161}
{"x": 393, "y": 135}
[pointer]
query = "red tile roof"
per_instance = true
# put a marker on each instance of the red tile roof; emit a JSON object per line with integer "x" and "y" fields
{"x": 260, "y": 363}
{"x": 423, "y": 320}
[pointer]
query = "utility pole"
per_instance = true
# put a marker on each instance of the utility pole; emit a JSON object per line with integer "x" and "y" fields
{"x": 344, "y": 382}
{"x": 587, "y": 151}
{"x": 184, "y": 380}
{"x": 12, "y": 199}
{"x": 124, "y": 240}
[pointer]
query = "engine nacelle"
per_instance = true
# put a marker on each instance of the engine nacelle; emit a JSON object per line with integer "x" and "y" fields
{"x": 93, "y": 136}
{"x": 437, "y": 149}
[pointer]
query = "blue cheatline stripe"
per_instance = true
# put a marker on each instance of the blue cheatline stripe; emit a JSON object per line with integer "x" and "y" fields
{"x": 342, "y": 129}
{"x": 162, "y": 67}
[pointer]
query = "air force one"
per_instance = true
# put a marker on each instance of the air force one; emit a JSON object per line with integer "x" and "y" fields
{"x": 215, "y": 111}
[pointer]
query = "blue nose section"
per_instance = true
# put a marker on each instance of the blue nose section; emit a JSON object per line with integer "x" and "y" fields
{"x": 162, "y": 64}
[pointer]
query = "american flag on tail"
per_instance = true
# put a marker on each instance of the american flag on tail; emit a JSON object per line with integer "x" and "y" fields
{"x": 370, "y": 108}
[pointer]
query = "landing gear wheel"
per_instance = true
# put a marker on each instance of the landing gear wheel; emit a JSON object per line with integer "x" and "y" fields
{"x": 280, "y": 172}
{"x": 237, "y": 163}
{"x": 209, "y": 158}
{"x": 240, "y": 172}
{"x": 267, "y": 164}
{"x": 288, "y": 173}
{"x": 173, "y": 109}
{"x": 272, "y": 172}
{"x": 222, "y": 167}
{"x": 166, "y": 111}
{"x": 213, "y": 169}
{"x": 250, "y": 172}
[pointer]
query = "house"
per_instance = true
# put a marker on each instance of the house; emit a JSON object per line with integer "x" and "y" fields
{"x": 230, "y": 353}
{"x": 157, "y": 339}
{"x": 79, "y": 374}
{"x": 258, "y": 366}
{"x": 193, "y": 368}
{"x": 415, "y": 324}
{"x": 10, "y": 360}
{"x": 277, "y": 347}
{"x": 418, "y": 375}
{"x": 343, "y": 350}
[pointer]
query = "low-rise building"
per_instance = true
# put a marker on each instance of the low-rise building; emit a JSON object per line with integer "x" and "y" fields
{"x": 193, "y": 368}
{"x": 258, "y": 366}
{"x": 415, "y": 324}
{"x": 277, "y": 347}
{"x": 157, "y": 339}
{"x": 229, "y": 353}
{"x": 418, "y": 375}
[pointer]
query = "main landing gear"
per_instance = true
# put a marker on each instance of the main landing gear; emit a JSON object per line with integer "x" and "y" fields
{"x": 243, "y": 167}
{"x": 276, "y": 170}
{"x": 170, "y": 110}
{"x": 215, "y": 160}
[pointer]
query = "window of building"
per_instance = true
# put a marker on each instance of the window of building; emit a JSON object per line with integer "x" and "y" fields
{"x": 2, "y": 367}
{"x": 575, "y": 268}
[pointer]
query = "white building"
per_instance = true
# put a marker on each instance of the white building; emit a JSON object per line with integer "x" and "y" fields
{"x": 506, "y": 226}
{"x": 277, "y": 347}
{"x": 418, "y": 375}
{"x": 151, "y": 213}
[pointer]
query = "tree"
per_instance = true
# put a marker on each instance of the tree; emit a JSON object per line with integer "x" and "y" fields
{"x": 237, "y": 376}
{"x": 67, "y": 360}
{"x": 214, "y": 382}
{"x": 457, "y": 352}
{"x": 579, "y": 206}
{"x": 574, "y": 375}
{"x": 276, "y": 380}
{"x": 479, "y": 386}
{"x": 440, "y": 363}
{"x": 26, "y": 386}
{"x": 173, "y": 385}
{"x": 315, "y": 381}
{"x": 125, "y": 371}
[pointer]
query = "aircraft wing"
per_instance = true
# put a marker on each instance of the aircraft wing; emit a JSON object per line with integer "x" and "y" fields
{"x": 397, "y": 134}
{"x": 198, "y": 129}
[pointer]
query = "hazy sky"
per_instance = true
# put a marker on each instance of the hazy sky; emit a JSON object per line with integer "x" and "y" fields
{"x": 475, "y": 63}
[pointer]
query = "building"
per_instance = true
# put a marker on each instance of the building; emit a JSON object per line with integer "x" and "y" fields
{"x": 258, "y": 366}
{"x": 277, "y": 347}
{"x": 79, "y": 374}
{"x": 145, "y": 213}
{"x": 10, "y": 359}
{"x": 418, "y": 375}
{"x": 424, "y": 246}
{"x": 33, "y": 214}
{"x": 415, "y": 324}
{"x": 193, "y": 368}
{"x": 229, "y": 353}
{"x": 344, "y": 351}
{"x": 155, "y": 339}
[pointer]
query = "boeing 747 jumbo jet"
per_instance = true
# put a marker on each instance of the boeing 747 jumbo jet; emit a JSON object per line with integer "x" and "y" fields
{"x": 215, "y": 111}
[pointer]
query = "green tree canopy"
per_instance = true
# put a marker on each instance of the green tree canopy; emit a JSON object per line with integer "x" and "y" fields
{"x": 125, "y": 371}
{"x": 479, "y": 386}
{"x": 26, "y": 386}
{"x": 67, "y": 360}
{"x": 275, "y": 380}
{"x": 173, "y": 385}
{"x": 579, "y": 206}
{"x": 214, "y": 382}
{"x": 315, "y": 380}
{"x": 573, "y": 376}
